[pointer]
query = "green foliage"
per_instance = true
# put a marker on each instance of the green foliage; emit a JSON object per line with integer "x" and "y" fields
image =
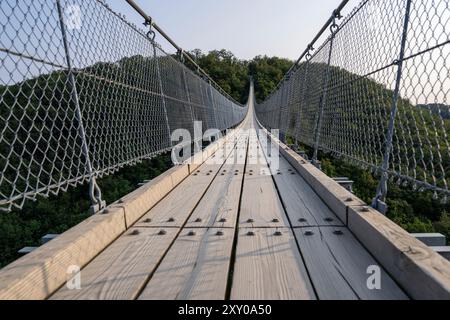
{"x": 413, "y": 211}
{"x": 228, "y": 71}
{"x": 402, "y": 213}
{"x": 365, "y": 184}
{"x": 416, "y": 212}
{"x": 57, "y": 214}
{"x": 443, "y": 225}
{"x": 233, "y": 74}
{"x": 267, "y": 72}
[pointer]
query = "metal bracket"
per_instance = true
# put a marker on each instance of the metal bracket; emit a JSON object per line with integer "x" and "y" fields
{"x": 316, "y": 163}
{"x": 95, "y": 208}
{"x": 381, "y": 206}
{"x": 149, "y": 22}
{"x": 95, "y": 193}
{"x": 180, "y": 54}
{"x": 334, "y": 28}
{"x": 151, "y": 34}
{"x": 337, "y": 14}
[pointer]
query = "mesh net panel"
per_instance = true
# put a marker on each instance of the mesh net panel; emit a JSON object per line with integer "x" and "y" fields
{"x": 84, "y": 93}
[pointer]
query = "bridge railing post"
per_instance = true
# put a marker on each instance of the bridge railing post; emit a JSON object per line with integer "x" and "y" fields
{"x": 288, "y": 111}
{"x": 186, "y": 88}
{"x": 284, "y": 114}
{"x": 95, "y": 194}
{"x": 303, "y": 90}
{"x": 204, "y": 112}
{"x": 232, "y": 114}
{"x": 189, "y": 101}
{"x": 285, "y": 119}
{"x": 161, "y": 89}
{"x": 280, "y": 106}
{"x": 380, "y": 197}
{"x": 317, "y": 132}
{"x": 213, "y": 106}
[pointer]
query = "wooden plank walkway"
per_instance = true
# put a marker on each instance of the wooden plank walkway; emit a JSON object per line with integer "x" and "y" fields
{"x": 261, "y": 205}
{"x": 195, "y": 268}
{"x": 338, "y": 265}
{"x": 123, "y": 268}
{"x": 236, "y": 230}
{"x": 220, "y": 207}
{"x": 269, "y": 267}
{"x": 303, "y": 206}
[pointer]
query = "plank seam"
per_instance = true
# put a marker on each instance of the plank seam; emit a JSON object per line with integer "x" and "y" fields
{"x": 181, "y": 229}
{"x": 292, "y": 230}
{"x": 49, "y": 296}
{"x": 236, "y": 232}
{"x": 347, "y": 209}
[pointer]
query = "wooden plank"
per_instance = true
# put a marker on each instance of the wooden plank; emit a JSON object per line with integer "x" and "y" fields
{"x": 443, "y": 251}
{"x": 269, "y": 267}
{"x": 195, "y": 268}
{"x": 198, "y": 159}
{"x": 338, "y": 266}
{"x": 261, "y": 205}
{"x": 176, "y": 207}
{"x": 173, "y": 210}
{"x": 41, "y": 272}
{"x": 335, "y": 196}
{"x": 302, "y": 204}
{"x": 421, "y": 272}
{"x": 137, "y": 203}
{"x": 219, "y": 207}
{"x": 121, "y": 271}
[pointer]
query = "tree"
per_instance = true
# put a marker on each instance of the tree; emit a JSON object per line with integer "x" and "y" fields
{"x": 267, "y": 72}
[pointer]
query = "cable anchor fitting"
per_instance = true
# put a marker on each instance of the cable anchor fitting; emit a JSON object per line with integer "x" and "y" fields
{"x": 337, "y": 14}
{"x": 309, "y": 55}
{"x": 334, "y": 27}
{"x": 95, "y": 194}
{"x": 180, "y": 54}
{"x": 151, "y": 34}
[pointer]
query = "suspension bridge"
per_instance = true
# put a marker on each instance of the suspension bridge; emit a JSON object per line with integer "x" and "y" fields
{"x": 249, "y": 216}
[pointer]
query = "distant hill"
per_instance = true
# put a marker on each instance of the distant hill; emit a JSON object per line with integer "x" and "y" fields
{"x": 436, "y": 108}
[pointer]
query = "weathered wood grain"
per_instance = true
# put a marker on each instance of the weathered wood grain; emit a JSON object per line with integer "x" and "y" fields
{"x": 261, "y": 205}
{"x": 121, "y": 271}
{"x": 421, "y": 272}
{"x": 143, "y": 199}
{"x": 337, "y": 198}
{"x": 176, "y": 207}
{"x": 220, "y": 206}
{"x": 269, "y": 266}
{"x": 303, "y": 206}
{"x": 338, "y": 266}
{"x": 195, "y": 268}
{"x": 39, "y": 273}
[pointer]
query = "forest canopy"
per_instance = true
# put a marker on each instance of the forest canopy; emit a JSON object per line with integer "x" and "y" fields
{"x": 233, "y": 74}
{"x": 19, "y": 228}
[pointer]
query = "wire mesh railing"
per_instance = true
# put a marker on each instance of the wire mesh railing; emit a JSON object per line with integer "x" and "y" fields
{"x": 377, "y": 93}
{"x": 83, "y": 92}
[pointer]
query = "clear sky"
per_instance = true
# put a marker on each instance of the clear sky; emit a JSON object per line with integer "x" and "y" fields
{"x": 245, "y": 27}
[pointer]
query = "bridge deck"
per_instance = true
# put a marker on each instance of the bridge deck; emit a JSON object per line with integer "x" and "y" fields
{"x": 231, "y": 230}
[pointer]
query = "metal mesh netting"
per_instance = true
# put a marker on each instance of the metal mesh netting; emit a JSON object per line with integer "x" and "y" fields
{"x": 84, "y": 93}
{"x": 376, "y": 93}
